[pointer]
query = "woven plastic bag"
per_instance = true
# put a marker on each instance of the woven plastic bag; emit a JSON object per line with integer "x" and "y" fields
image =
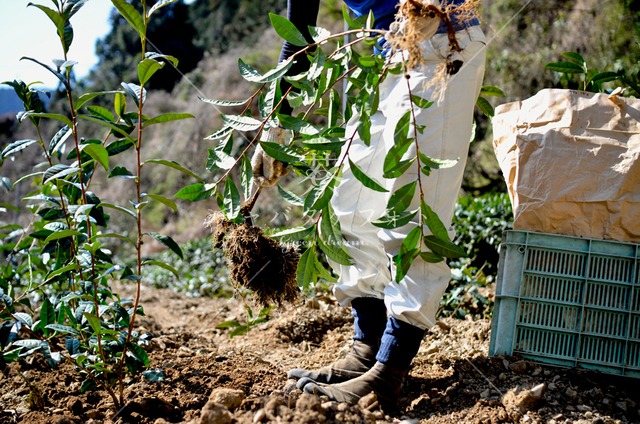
{"x": 570, "y": 161}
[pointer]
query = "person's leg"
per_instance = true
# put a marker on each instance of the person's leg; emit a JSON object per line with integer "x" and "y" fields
{"x": 369, "y": 320}
{"x": 412, "y": 303}
{"x": 446, "y": 136}
{"x": 361, "y": 284}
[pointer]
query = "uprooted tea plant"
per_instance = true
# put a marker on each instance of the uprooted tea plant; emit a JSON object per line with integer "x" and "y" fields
{"x": 57, "y": 266}
{"x": 313, "y": 156}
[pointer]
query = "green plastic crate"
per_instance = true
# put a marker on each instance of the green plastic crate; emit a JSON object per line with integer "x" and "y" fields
{"x": 568, "y": 301}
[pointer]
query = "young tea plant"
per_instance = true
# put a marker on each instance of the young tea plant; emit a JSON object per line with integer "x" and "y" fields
{"x": 318, "y": 153}
{"x": 55, "y": 282}
{"x": 575, "y": 73}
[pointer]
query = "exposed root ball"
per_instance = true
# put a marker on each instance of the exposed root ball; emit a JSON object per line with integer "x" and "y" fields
{"x": 255, "y": 261}
{"x": 417, "y": 20}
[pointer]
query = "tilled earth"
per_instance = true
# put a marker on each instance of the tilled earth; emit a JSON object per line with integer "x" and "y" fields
{"x": 209, "y": 377}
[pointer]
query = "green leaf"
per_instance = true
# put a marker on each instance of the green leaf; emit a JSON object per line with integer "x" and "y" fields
{"x": 174, "y": 165}
{"x": 47, "y": 315}
{"x": 604, "y": 77}
{"x": 323, "y": 143}
{"x": 135, "y": 92}
{"x": 336, "y": 253}
{"x": 432, "y": 163}
{"x": 146, "y": 69}
{"x": 63, "y": 234}
{"x": 420, "y": 102}
{"x": 67, "y": 268}
{"x": 394, "y": 219}
{"x": 120, "y": 103}
{"x": 57, "y": 74}
{"x": 56, "y": 116}
{"x": 431, "y": 257}
{"x": 403, "y": 262}
{"x": 319, "y": 34}
{"x": 167, "y": 117}
{"x": 101, "y": 112}
{"x": 84, "y": 98}
{"x": 433, "y": 221}
{"x": 565, "y": 68}
{"x": 139, "y": 353}
{"x": 195, "y": 192}
{"x": 162, "y": 265}
{"x": 306, "y": 272}
{"x": 120, "y": 129}
{"x": 489, "y": 90}
{"x": 319, "y": 195}
{"x": 24, "y": 318}
{"x": 485, "y": 107}
{"x": 241, "y": 123}
{"x": 121, "y": 172}
{"x": 97, "y": 153}
{"x": 119, "y": 146}
{"x": 401, "y": 198}
{"x": 366, "y": 61}
{"x": 168, "y": 242}
{"x": 158, "y": 5}
{"x": 575, "y": 58}
{"x": 232, "y": 103}
{"x": 57, "y": 141}
{"x": 67, "y": 38}
{"x": 287, "y": 30}
{"x": 65, "y": 329}
{"x": 251, "y": 75}
{"x": 290, "y": 197}
{"x": 72, "y": 345}
{"x": 131, "y": 15}
{"x": 165, "y": 201}
{"x": 246, "y": 177}
{"x": 444, "y": 247}
{"x": 231, "y": 199}
{"x": 295, "y": 233}
{"x": 59, "y": 171}
{"x": 398, "y": 168}
{"x": 16, "y": 146}
{"x": 297, "y": 125}
{"x": 281, "y": 152}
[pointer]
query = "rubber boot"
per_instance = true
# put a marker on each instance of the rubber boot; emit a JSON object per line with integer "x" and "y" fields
{"x": 400, "y": 344}
{"x": 369, "y": 321}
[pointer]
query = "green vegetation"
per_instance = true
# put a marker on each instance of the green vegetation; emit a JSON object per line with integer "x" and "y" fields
{"x": 55, "y": 280}
{"x": 86, "y": 174}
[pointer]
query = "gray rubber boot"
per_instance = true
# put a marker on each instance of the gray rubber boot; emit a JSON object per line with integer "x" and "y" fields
{"x": 369, "y": 324}
{"x": 399, "y": 345}
{"x": 358, "y": 361}
{"x": 385, "y": 381}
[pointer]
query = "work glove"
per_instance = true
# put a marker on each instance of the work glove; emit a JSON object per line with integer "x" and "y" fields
{"x": 267, "y": 170}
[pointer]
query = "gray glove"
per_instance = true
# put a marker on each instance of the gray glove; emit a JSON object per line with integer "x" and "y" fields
{"x": 267, "y": 170}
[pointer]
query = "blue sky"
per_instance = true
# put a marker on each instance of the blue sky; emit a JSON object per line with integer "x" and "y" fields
{"x": 26, "y": 31}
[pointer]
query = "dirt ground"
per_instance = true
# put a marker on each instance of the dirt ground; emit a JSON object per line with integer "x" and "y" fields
{"x": 212, "y": 378}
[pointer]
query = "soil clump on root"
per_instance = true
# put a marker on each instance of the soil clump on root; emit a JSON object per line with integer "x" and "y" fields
{"x": 256, "y": 262}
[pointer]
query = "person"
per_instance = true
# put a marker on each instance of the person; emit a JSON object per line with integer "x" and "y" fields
{"x": 391, "y": 318}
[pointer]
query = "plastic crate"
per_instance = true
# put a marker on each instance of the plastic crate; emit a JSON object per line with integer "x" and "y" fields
{"x": 568, "y": 301}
